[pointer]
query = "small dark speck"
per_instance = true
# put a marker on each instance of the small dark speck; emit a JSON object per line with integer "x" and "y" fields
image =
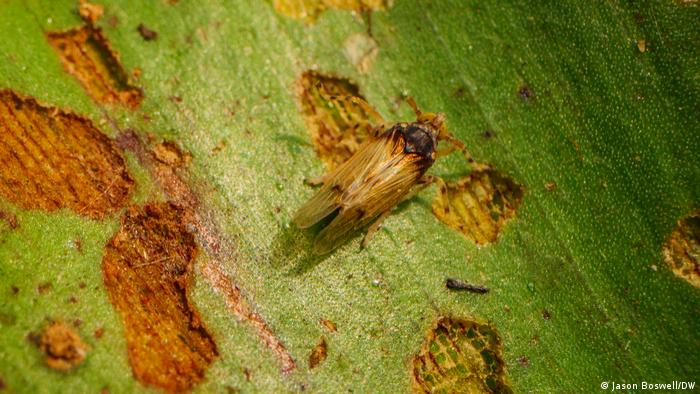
{"x": 488, "y": 134}
{"x": 638, "y": 18}
{"x": 458, "y": 284}
{"x": 525, "y": 92}
{"x": 146, "y": 33}
{"x": 460, "y": 92}
{"x": 77, "y": 322}
{"x": 546, "y": 315}
{"x": 524, "y": 361}
{"x": 14, "y": 290}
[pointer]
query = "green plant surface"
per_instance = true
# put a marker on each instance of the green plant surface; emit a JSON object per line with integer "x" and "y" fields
{"x": 614, "y": 127}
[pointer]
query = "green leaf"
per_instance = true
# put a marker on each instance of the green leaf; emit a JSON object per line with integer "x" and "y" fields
{"x": 599, "y": 128}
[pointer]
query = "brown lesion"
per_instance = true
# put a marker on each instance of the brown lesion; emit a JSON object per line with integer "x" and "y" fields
{"x": 309, "y": 10}
{"x": 148, "y": 272}
{"x": 52, "y": 159}
{"x": 337, "y": 125}
{"x": 61, "y": 345}
{"x": 87, "y": 55}
{"x": 480, "y": 204}
{"x": 460, "y": 356}
{"x": 682, "y": 249}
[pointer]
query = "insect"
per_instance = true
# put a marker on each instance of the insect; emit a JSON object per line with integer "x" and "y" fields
{"x": 388, "y": 168}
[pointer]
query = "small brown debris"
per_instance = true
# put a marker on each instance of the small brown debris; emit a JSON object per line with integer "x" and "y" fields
{"x": 104, "y": 390}
{"x": 73, "y": 300}
{"x": 488, "y": 134}
{"x": 14, "y": 290}
{"x": 90, "y": 13}
{"x": 328, "y": 324}
{"x": 525, "y": 92}
{"x": 460, "y": 355}
{"x": 81, "y": 285}
{"x": 44, "y": 287}
{"x": 3, "y": 386}
{"x": 546, "y": 315}
{"x": 248, "y": 374}
{"x": 479, "y": 205}
{"x": 9, "y": 218}
{"x": 682, "y": 249}
{"x": 77, "y": 322}
{"x": 99, "y": 332}
{"x": 87, "y": 55}
{"x": 642, "y": 46}
{"x": 318, "y": 353}
{"x": 78, "y": 244}
{"x": 458, "y": 284}
{"x": 146, "y": 33}
{"x": 550, "y": 186}
{"x": 62, "y": 347}
{"x": 148, "y": 272}
{"x": 524, "y": 361}
{"x": 53, "y": 159}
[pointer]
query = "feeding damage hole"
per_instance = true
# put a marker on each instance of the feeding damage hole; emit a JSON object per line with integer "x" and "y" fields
{"x": 682, "y": 250}
{"x": 309, "y": 10}
{"x": 147, "y": 269}
{"x": 479, "y": 205}
{"x": 460, "y": 356}
{"x": 87, "y": 55}
{"x": 62, "y": 347}
{"x": 52, "y": 159}
{"x": 337, "y": 126}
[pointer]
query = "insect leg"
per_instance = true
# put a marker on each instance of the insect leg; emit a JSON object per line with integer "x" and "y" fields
{"x": 374, "y": 227}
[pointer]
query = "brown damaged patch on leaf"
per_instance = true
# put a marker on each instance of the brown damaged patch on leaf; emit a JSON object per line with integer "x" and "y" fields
{"x": 309, "y": 10}
{"x": 87, "y": 55}
{"x": 337, "y": 127}
{"x": 479, "y": 205}
{"x": 682, "y": 249}
{"x": 53, "y": 159}
{"x": 200, "y": 221}
{"x": 460, "y": 356}
{"x": 147, "y": 269}
{"x": 318, "y": 353}
{"x": 62, "y": 347}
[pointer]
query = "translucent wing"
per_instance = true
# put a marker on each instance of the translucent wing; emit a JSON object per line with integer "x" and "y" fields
{"x": 353, "y": 172}
{"x": 385, "y": 186}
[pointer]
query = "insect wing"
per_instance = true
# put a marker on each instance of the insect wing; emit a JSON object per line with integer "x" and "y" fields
{"x": 353, "y": 172}
{"x": 384, "y": 188}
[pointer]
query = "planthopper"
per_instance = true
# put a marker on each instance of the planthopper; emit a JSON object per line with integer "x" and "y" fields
{"x": 388, "y": 168}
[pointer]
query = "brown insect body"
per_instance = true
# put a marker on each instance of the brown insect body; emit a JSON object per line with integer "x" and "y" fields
{"x": 387, "y": 169}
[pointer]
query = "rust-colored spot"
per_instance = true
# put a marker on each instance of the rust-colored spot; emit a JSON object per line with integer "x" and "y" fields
{"x": 62, "y": 347}
{"x": 329, "y": 324}
{"x": 460, "y": 356}
{"x": 167, "y": 152}
{"x": 682, "y": 249}
{"x": 318, "y": 353}
{"x": 44, "y": 287}
{"x": 10, "y": 219}
{"x": 53, "y": 159}
{"x": 87, "y": 55}
{"x": 219, "y": 249}
{"x": 90, "y": 13}
{"x": 337, "y": 126}
{"x": 479, "y": 205}
{"x": 309, "y": 10}
{"x": 147, "y": 269}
